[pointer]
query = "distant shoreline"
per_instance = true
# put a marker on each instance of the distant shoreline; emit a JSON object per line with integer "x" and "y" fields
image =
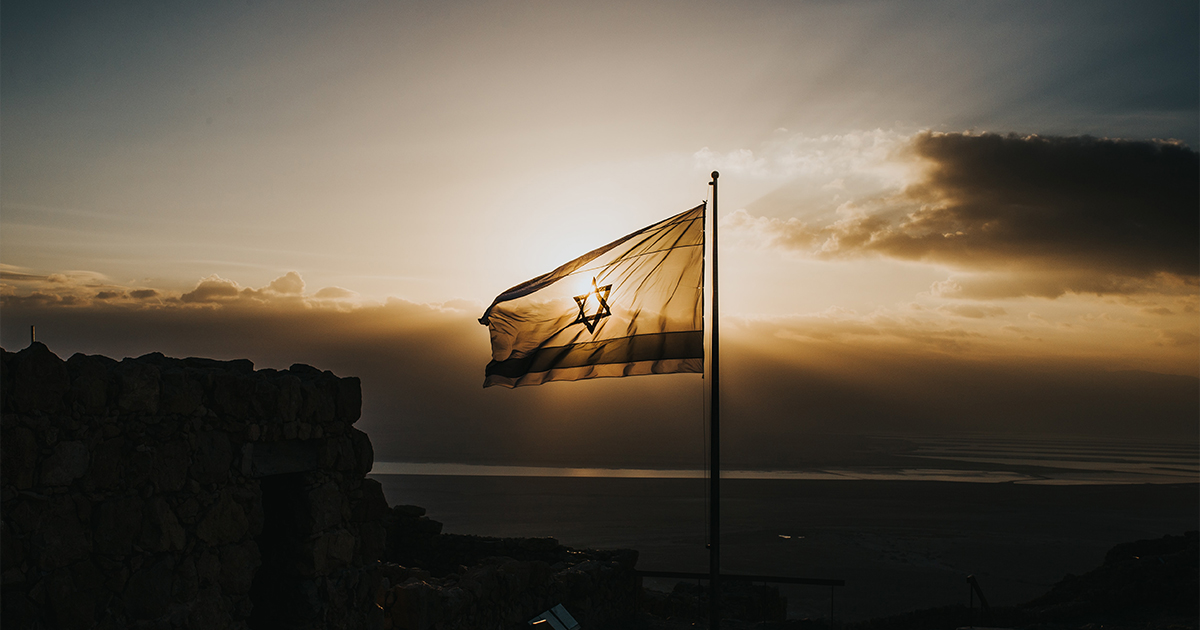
{"x": 963, "y": 459}
{"x": 1021, "y": 475}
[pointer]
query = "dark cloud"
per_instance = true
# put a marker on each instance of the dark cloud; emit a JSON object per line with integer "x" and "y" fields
{"x": 1043, "y": 214}
{"x": 143, "y": 294}
{"x": 1126, "y": 208}
{"x": 38, "y": 298}
{"x": 21, "y": 276}
{"x": 110, "y": 295}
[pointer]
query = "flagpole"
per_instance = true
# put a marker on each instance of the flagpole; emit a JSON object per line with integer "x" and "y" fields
{"x": 714, "y": 476}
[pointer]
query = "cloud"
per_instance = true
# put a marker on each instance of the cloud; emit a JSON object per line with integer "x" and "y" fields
{"x": 826, "y": 157}
{"x": 1182, "y": 338}
{"x": 212, "y": 289}
{"x": 334, "y": 293}
{"x": 288, "y": 284}
{"x": 288, "y": 288}
{"x": 422, "y": 369}
{"x": 79, "y": 288}
{"x": 1028, "y": 215}
{"x": 972, "y": 311}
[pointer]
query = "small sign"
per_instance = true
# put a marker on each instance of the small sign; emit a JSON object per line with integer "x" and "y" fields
{"x": 556, "y": 618}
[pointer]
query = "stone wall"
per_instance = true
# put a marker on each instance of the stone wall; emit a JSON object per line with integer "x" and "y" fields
{"x": 184, "y": 493}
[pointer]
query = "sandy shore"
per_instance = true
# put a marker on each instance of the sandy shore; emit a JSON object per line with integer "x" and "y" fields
{"x": 900, "y": 545}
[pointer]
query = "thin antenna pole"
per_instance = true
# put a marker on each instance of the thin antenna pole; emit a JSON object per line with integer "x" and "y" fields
{"x": 32, "y": 335}
{"x": 714, "y": 476}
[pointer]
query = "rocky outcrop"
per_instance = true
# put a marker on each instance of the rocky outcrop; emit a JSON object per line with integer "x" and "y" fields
{"x": 1151, "y": 583}
{"x": 1147, "y": 580}
{"x": 189, "y": 493}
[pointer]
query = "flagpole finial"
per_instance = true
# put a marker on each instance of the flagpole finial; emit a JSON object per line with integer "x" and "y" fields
{"x": 715, "y": 175}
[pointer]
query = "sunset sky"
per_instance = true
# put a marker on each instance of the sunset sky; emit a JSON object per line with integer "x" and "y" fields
{"x": 936, "y": 216}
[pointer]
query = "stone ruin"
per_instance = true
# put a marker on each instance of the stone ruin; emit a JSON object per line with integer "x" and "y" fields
{"x": 185, "y": 493}
{"x": 193, "y": 493}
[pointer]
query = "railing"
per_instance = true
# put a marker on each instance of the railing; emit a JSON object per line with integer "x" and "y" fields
{"x": 736, "y": 577}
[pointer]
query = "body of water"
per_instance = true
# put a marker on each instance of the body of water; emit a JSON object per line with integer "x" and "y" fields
{"x": 1018, "y": 514}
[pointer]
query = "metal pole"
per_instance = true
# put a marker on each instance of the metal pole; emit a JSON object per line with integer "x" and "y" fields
{"x": 831, "y": 591}
{"x": 714, "y": 487}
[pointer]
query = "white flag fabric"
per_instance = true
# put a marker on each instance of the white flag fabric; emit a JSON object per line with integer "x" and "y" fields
{"x": 634, "y": 306}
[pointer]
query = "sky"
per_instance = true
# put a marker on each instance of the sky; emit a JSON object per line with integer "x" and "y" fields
{"x": 935, "y": 216}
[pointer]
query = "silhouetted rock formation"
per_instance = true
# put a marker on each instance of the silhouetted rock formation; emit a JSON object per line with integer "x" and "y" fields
{"x": 187, "y": 493}
{"x": 1144, "y": 584}
{"x": 1142, "y": 581}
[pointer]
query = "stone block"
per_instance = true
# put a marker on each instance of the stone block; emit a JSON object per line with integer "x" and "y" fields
{"x": 364, "y": 453}
{"x": 92, "y": 384}
{"x": 40, "y": 379}
{"x": 187, "y": 580}
{"x": 71, "y": 596}
{"x": 116, "y": 523}
{"x": 26, "y": 516}
{"x": 238, "y": 565}
{"x": 160, "y": 529}
{"x": 61, "y": 537}
{"x": 18, "y": 456}
{"x": 224, "y": 523}
{"x": 349, "y": 399}
{"x": 188, "y": 510}
{"x": 264, "y": 402}
{"x": 6, "y": 382}
{"x": 67, "y": 463}
{"x": 139, "y": 387}
{"x": 263, "y": 459}
{"x": 12, "y": 552}
{"x": 208, "y": 568}
{"x": 373, "y": 504}
{"x": 372, "y": 541}
{"x": 289, "y": 400}
{"x": 209, "y": 611}
{"x": 318, "y": 404}
{"x": 418, "y": 606}
{"x": 212, "y": 457}
{"x": 233, "y": 394}
{"x": 339, "y": 454}
{"x": 148, "y": 591}
{"x": 169, "y": 470}
{"x": 181, "y": 394}
{"x": 325, "y": 506}
{"x": 136, "y": 465}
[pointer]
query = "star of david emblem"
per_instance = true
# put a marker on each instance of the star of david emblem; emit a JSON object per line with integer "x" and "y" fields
{"x": 602, "y": 309}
